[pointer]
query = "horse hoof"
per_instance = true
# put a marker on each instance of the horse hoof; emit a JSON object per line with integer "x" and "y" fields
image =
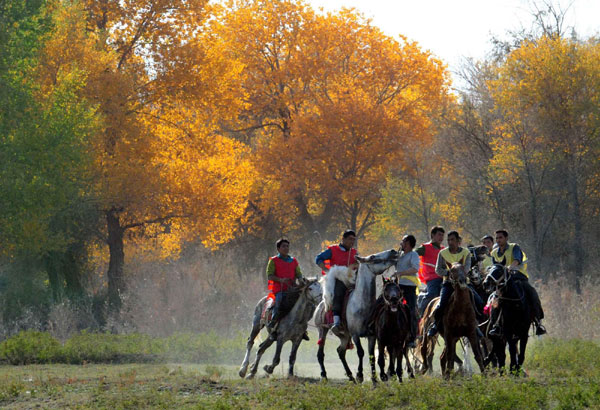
{"x": 351, "y": 379}
{"x": 359, "y": 378}
{"x": 399, "y": 379}
{"x": 383, "y": 377}
{"x": 268, "y": 369}
{"x": 412, "y": 376}
{"x": 242, "y": 373}
{"x": 324, "y": 379}
{"x": 250, "y": 376}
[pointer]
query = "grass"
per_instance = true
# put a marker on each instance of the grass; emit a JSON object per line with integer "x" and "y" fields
{"x": 562, "y": 375}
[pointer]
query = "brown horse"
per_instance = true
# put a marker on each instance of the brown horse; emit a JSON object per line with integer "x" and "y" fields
{"x": 426, "y": 344}
{"x": 459, "y": 321}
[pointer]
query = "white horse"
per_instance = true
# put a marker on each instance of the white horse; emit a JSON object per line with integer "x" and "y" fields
{"x": 358, "y": 311}
{"x": 291, "y": 327}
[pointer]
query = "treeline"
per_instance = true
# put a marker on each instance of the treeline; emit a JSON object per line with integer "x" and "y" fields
{"x": 150, "y": 127}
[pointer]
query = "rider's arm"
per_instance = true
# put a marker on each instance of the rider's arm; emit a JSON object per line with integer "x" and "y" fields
{"x": 517, "y": 256}
{"x": 420, "y": 250}
{"x": 413, "y": 268}
{"x": 298, "y": 271}
{"x": 440, "y": 266}
{"x": 322, "y": 257}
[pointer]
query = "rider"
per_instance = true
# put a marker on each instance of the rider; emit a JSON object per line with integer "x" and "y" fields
{"x": 282, "y": 271}
{"x": 342, "y": 254}
{"x": 511, "y": 256}
{"x": 488, "y": 241}
{"x": 428, "y": 253}
{"x": 406, "y": 272}
{"x": 452, "y": 254}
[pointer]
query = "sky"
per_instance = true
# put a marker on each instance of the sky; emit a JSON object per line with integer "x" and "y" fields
{"x": 455, "y": 29}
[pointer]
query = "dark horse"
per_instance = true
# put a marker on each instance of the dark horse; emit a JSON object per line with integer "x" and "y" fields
{"x": 459, "y": 321}
{"x": 391, "y": 327}
{"x": 516, "y": 317}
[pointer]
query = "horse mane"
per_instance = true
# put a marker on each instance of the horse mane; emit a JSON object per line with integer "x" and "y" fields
{"x": 341, "y": 273}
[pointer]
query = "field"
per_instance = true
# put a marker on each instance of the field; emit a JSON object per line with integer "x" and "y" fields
{"x": 561, "y": 374}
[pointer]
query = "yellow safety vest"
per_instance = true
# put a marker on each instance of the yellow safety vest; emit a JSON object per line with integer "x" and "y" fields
{"x": 451, "y": 258}
{"x": 507, "y": 256}
{"x": 487, "y": 262}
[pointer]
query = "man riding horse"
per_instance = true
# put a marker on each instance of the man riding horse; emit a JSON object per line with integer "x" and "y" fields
{"x": 342, "y": 254}
{"x": 406, "y": 272}
{"x": 488, "y": 242}
{"x": 448, "y": 256}
{"x": 511, "y": 256}
{"x": 282, "y": 272}
{"x": 428, "y": 253}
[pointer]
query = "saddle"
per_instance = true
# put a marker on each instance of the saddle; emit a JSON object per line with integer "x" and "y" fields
{"x": 267, "y": 311}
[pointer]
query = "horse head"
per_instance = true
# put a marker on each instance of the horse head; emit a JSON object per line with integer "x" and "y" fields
{"x": 312, "y": 289}
{"x": 377, "y": 263}
{"x": 474, "y": 276}
{"x": 392, "y": 294}
{"x": 457, "y": 276}
{"x": 496, "y": 278}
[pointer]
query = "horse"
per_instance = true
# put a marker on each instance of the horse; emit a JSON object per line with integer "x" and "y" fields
{"x": 392, "y": 325}
{"x": 459, "y": 321}
{"x": 358, "y": 310}
{"x": 291, "y": 327}
{"x": 426, "y": 345}
{"x": 516, "y": 317}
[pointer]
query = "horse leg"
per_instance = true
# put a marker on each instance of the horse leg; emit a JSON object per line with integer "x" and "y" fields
{"x": 430, "y": 352}
{"x": 425, "y": 354}
{"x": 514, "y": 360}
{"x": 409, "y": 368}
{"x": 381, "y": 362}
{"x": 477, "y": 352}
{"x": 500, "y": 350}
{"x": 342, "y": 354}
{"x": 371, "y": 347}
{"x": 522, "y": 347}
{"x": 295, "y": 346}
{"x": 253, "y": 333}
{"x": 361, "y": 353}
{"x": 443, "y": 360}
{"x": 261, "y": 349}
{"x": 321, "y": 352}
{"x": 276, "y": 358}
{"x": 398, "y": 358}
{"x": 451, "y": 346}
{"x": 391, "y": 371}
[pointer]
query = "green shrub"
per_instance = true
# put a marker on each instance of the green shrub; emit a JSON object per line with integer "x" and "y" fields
{"x": 29, "y": 347}
{"x": 565, "y": 358}
{"x": 110, "y": 348}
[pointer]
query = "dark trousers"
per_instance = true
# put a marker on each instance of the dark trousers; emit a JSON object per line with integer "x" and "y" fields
{"x": 276, "y": 309}
{"x": 410, "y": 295}
{"x": 531, "y": 294}
{"x": 339, "y": 293}
{"x": 432, "y": 291}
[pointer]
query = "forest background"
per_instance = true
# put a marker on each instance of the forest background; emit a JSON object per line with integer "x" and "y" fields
{"x": 153, "y": 151}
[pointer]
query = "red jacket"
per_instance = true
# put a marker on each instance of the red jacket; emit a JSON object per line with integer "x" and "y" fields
{"x": 340, "y": 257}
{"x": 428, "y": 261}
{"x": 283, "y": 269}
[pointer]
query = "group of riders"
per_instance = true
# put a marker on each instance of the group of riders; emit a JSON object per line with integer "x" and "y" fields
{"x": 426, "y": 266}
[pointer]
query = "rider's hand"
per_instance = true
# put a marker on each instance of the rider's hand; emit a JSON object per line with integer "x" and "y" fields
{"x": 286, "y": 281}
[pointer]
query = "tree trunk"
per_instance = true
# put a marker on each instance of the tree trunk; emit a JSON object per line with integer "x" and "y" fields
{"x": 117, "y": 260}
{"x": 578, "y": 254}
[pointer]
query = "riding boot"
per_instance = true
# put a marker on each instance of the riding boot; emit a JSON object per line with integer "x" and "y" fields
{"x": 539, "y": 328}
{"x": 437, "y": 322}
{"x": 496, "y": 330}
{"x": 305, "y": 336}
{"x": 337, "y": 322}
